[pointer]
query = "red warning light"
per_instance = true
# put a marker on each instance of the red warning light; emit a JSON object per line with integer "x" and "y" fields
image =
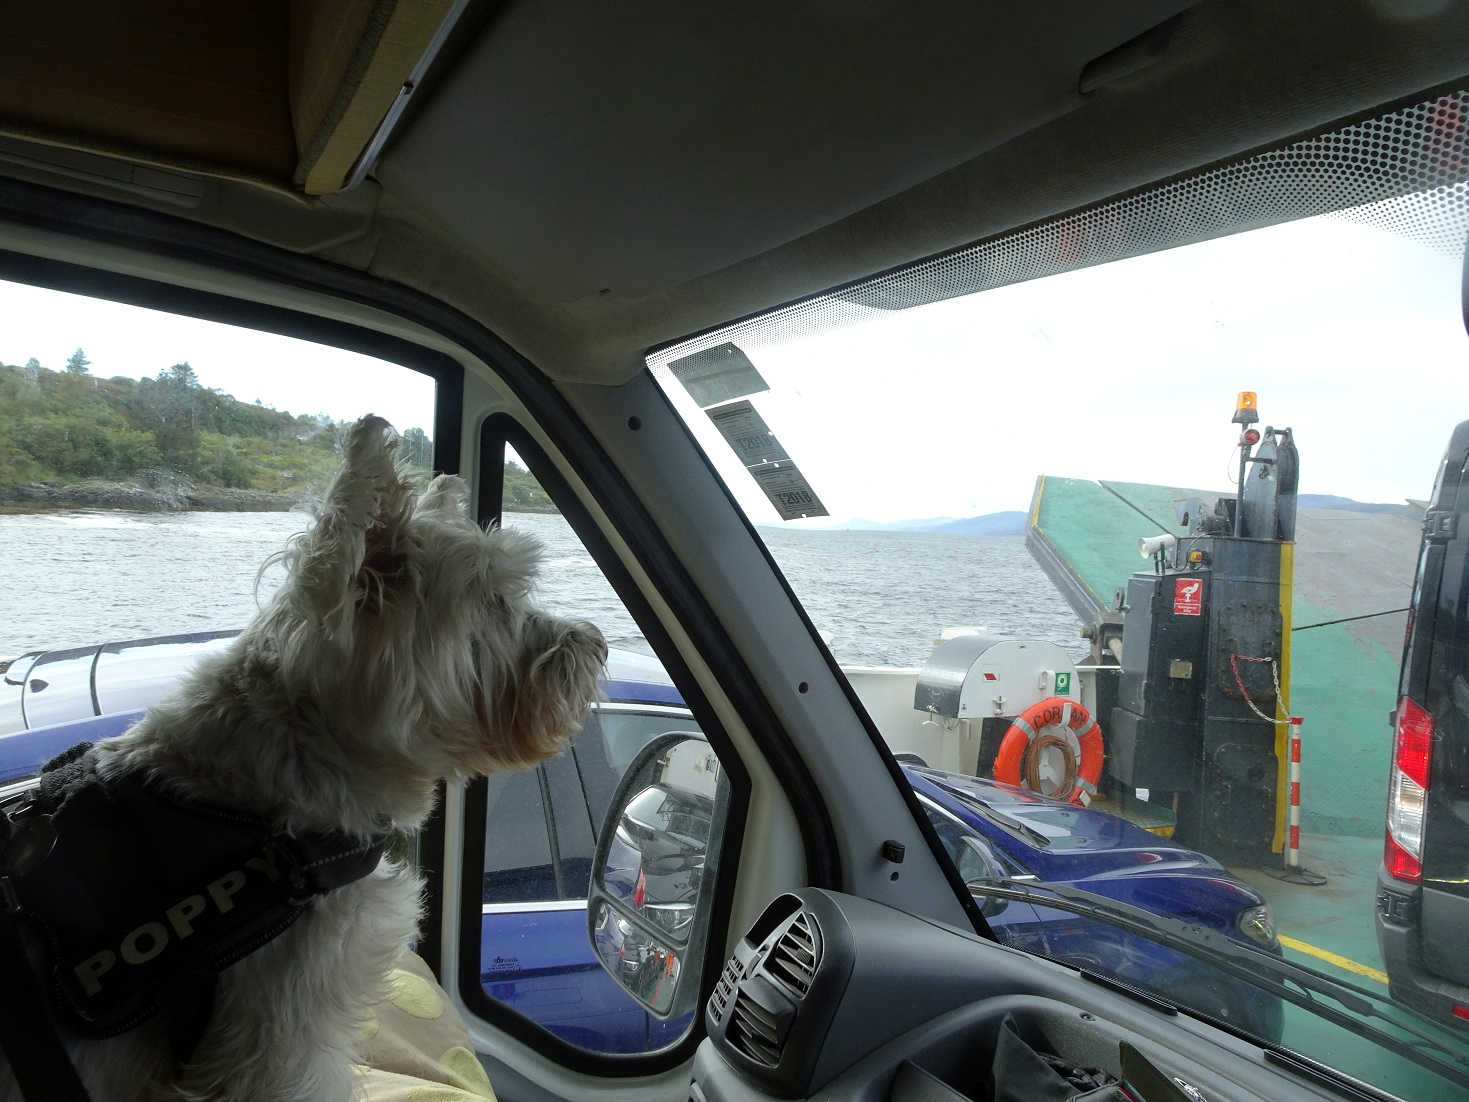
{"x": 1250, "y": 438}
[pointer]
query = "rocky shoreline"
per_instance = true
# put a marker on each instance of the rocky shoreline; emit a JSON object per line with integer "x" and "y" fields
{"x": 98, "y": 494}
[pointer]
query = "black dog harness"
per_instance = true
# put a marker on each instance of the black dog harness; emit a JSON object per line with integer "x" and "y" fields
{"x": 118, "y": 900}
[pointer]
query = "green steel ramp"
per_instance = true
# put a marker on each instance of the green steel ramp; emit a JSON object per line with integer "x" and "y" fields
{"x": 1343, "y": 681}
{"x": 1343, "y": 675}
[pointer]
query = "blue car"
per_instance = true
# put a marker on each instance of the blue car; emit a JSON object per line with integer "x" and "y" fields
{"x": 534, "y": 953}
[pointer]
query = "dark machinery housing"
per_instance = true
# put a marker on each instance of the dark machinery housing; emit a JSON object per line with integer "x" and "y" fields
{"x": 1201, "y": 695}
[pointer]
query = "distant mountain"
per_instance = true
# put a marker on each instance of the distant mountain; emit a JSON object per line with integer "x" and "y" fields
{"x": 1346, "y": 504}
{"x": 1010, "y": 523}
{"x": 1013, "y": 522}
{"x": 922, "y": 524}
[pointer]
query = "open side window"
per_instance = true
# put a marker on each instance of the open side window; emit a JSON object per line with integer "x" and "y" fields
{"x": 527, "y": 965}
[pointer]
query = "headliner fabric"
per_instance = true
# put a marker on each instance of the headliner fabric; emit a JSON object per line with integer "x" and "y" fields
{"x": 588, "y": 149}
{"x": 1234, "y": 76}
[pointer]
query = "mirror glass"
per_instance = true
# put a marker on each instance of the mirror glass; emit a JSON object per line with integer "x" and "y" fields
{"x": 642, "y": 964}
{"x": 654, "y": 867}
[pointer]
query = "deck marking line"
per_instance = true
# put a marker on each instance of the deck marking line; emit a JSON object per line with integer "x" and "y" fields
{"x": 1345, "y": 963}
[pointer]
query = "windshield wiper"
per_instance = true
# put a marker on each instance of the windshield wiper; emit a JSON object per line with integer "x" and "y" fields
{"x": 1264, "y": 970}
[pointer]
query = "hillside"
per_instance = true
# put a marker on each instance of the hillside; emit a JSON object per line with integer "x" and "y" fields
{"x": 69, "y": 437}
{"x": 1408, "y": 509}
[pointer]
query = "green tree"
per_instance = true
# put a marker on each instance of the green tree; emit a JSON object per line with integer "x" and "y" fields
{"x": 60, "y": 425}
{"x": 179, "y": 374}
{"x": 520, "y": 489}
{"x": 76, "y": 363}
{"x": 168, "y": 407}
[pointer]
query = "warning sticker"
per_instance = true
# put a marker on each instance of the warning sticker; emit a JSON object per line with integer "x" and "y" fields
{"x": 746, "y": 432}
{"x": 788, "y": 491}
{"x": 718, "y": 374}
{"x": 1188, "y": 597}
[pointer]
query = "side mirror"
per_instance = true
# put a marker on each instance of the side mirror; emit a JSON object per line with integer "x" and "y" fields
{"x": 978, "y": 864}
{"x": 653, "y": 872}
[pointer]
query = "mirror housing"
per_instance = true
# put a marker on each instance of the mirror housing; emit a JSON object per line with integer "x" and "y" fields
{"x": 654, "y": 868}
{"x": 979, "y": 865}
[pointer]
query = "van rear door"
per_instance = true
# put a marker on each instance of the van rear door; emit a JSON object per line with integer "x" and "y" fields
{"x": 1434, "y": 676}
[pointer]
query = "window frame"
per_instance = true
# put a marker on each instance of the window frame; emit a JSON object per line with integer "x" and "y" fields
{"x": 256, "y": 275}
{"x": 496, "y": 432}
{"x": 93, "y": 220}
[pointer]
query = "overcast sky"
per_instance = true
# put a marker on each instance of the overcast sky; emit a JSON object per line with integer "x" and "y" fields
{"x": 291, "y": 375}
{"x": 1351, "y": 334}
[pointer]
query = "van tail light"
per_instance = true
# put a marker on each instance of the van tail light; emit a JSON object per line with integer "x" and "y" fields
{"x": 1407, "y": 792}
{"x": 640, "y": 890}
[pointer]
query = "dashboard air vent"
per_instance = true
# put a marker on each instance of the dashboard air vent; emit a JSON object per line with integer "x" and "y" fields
{"x": 795, "y": 956}
{"x": 724, "y": 989}
{"x": 755, "y": 1031}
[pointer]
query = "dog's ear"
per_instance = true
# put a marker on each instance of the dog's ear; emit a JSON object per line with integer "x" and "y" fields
{"x": 512, "y": 560}
{"x": 564, "y": 661}
{"x": 447, "y": 494}
{"x": 355, "y": 549}
{"x": 368, "y": 491}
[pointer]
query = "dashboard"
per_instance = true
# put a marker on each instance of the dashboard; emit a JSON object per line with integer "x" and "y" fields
{"x": 832, "y": 996}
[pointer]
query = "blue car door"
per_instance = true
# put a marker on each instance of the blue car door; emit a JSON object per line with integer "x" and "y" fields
{"x": 535, "y": 957}
{"x": 534, "y": 953}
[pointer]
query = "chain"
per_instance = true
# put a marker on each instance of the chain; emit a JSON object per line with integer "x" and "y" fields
{"x": 1234, "y": 660}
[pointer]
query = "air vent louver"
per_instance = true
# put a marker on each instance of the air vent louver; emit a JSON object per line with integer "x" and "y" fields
{"x": 754, "y": 1031}
{"x": 724, "y": 989}
{"x": 795, "y": 956}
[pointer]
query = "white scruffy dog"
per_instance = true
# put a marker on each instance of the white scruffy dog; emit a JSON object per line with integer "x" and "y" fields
{"x": 401, "y": 649}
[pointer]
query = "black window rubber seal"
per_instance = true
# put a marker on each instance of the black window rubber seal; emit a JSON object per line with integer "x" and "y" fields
{"x": 498, "y": 430}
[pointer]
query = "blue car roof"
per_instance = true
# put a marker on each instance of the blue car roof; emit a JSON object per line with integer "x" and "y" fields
{"x": 22, "y": 753}
{"x": 631, "y": 679}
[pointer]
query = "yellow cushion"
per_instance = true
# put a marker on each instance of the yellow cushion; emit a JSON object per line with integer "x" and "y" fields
{"x": 416, "y": 1047}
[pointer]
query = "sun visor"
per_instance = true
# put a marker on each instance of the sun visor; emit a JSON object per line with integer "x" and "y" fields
{"x": 353, "y": 65}
{"x": 298, "y": 94}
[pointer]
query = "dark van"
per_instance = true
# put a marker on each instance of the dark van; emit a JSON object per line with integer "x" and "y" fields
{"x": 1423, "y": 884}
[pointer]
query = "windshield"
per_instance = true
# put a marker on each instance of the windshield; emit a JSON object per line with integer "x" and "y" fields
{"x": 1129, "y": 505}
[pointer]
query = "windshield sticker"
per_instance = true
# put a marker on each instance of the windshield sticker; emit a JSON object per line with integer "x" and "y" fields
{"x": 718, "y": 374}
{"x": 747, "y": 434}
{"x": 788, "y": 491}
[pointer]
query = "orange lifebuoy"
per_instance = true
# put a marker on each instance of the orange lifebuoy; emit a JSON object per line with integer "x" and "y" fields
{"x": 1056, "y": 723}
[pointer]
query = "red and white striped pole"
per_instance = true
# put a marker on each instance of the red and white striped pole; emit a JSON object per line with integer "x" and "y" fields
{"x": 1293, "y": 812}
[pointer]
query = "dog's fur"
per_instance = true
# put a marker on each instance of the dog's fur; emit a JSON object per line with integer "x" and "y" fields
{"x": 401, "y": 649}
